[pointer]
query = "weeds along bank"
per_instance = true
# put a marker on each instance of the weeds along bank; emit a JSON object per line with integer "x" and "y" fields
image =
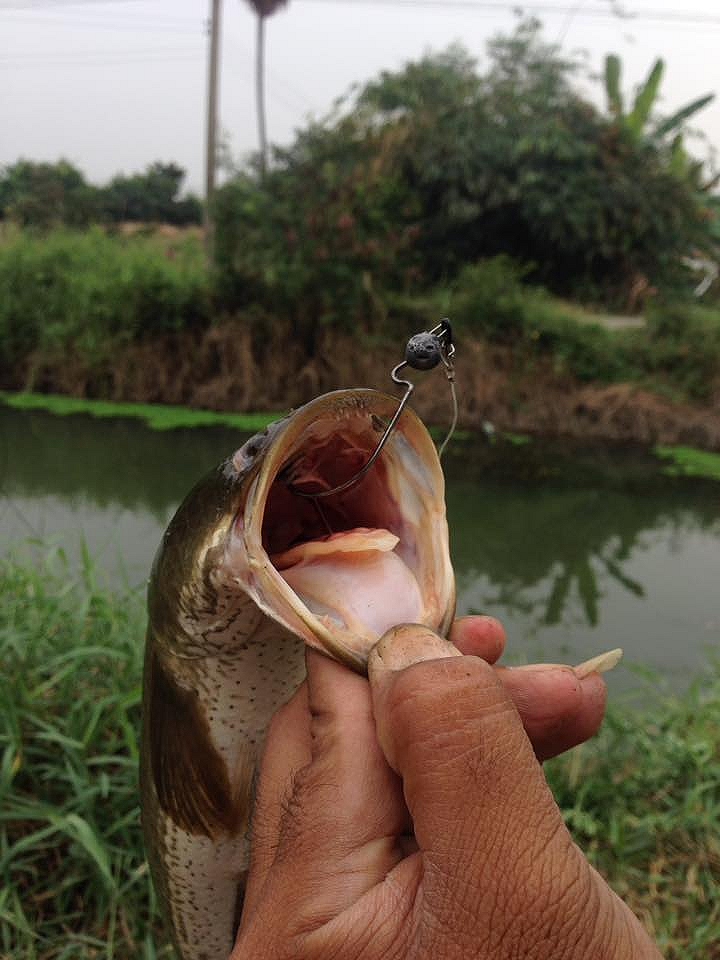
{"x": 141, "y": 318}
{"x": 643, "y": 799}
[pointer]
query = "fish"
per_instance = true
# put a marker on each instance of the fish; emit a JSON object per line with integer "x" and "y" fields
{"x": 252, "y": 567}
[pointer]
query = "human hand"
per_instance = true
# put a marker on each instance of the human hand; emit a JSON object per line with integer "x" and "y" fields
{"x": 558, "y": 706}
{"x": 491, "y": 871}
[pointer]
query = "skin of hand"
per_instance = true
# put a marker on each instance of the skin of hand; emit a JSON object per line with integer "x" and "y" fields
{"x": 408, "y": 818}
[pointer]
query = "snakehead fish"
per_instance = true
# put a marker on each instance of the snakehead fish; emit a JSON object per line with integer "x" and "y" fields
{"x": 248, "y": 571}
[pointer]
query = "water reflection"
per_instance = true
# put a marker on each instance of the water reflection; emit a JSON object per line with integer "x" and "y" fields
{"x": 579, "y": 555}
{"x": 108, "y": 462}
{"x": 573, "y": 553}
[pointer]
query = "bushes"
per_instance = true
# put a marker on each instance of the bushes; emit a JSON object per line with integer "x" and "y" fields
{"x": 91, "y": 292}
{"x": 437, "y": 166}
{"x": 72, "y": 872}
{"x": 322, "y": 239}
{"x": 643, "y": 801}
{"x": 678, "y": 350}
{"x": 490, "y": 300}
{"x": 682, "y": 346}
{"x": 46, "y": 195}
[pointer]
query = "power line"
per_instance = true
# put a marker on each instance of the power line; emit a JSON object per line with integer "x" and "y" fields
{"x": 488, "y": 6}
{"x": 669, "y": 16}
{"x": 184, "y": 58}
{"x": 41, "y": 4}
{"x": 134, "y": 25}
{"x": 99, "y": 57}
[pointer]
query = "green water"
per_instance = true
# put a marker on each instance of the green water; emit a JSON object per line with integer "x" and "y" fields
{"x": 575, "y": 551}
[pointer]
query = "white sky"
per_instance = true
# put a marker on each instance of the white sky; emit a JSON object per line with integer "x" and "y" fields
{"x": 113, "y": 85}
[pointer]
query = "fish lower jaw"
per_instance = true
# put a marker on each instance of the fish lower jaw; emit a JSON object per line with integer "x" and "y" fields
{"x": 355, "y": 584}
{"x": 340, "y": 593}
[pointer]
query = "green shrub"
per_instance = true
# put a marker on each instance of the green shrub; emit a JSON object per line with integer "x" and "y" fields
{"x": 45, "y": 195}
{"x": 489, "y": 299}
{"x": 436, "y": 166}
{"x": 583, "y": 349}
{"x": 643, "y": 801}
{"x": 682, "y": 345}
{"x": 321, "y": 240}
{"x": 90, "y": 291}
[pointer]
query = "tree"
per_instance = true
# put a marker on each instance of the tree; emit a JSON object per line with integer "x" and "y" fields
{"x": 438, "y": 166}
{"x": 263, "y": 10}
{"x": 153, "y": 196}
{"x": 46, "y": 194}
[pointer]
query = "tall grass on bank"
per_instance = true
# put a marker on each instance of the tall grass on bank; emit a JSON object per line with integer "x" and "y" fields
{"x": 92, "y": 292}
{"x": 85, "y": 300}
{"x": 73, "y": 879}
{"x": 643, "y": 799}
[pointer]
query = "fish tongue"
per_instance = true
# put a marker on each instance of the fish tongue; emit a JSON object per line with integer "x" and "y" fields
{"x": 355, "y": 579}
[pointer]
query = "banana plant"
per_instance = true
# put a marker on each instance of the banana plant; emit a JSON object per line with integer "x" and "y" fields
{"x": 636, "y": 121}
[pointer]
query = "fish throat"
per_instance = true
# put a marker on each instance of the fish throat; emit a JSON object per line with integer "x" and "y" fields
{"x": 341, "y": 570}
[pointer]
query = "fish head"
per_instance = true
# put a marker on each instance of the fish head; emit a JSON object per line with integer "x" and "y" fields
{"x": 335, "y": 571}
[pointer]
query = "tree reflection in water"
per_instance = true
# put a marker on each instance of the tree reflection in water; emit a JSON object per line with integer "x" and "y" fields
{"x": 544, "y": 536}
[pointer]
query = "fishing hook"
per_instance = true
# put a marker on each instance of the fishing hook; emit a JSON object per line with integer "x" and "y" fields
{"x": 424, "y": 351}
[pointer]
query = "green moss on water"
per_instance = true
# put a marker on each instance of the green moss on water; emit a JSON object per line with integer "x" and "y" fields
{"x": 159, "y": 416}
{"x": 155, "y": 416}
{"x": 688, "y": 462}
{"x": 517, "y": 439}
{"x": 460, "y": 436}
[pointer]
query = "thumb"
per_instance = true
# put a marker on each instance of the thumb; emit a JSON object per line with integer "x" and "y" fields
{"x": 485, "y": 821}
{"x": 432, "y": 704}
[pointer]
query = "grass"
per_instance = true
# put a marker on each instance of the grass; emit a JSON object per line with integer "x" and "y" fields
{"x": 156, "y": 416}
{"x": 643, "y": 799}
{"x": 675, "y": 353}
{"x": 73, "y": 880}
{"x": 644, "y": 802}
{"x": 688, "y": 462}
{"x": 90, "y": 292}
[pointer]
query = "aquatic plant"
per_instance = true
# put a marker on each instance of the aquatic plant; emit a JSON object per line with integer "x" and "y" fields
{"x": 157, "y": 416}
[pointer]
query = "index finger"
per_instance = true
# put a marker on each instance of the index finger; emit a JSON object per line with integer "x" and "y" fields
{"x": 479, "y": 636}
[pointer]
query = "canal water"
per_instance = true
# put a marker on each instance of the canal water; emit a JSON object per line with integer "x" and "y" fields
{"x": 575, "y": 550}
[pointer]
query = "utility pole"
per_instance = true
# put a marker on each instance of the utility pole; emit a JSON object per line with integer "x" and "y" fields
{"x": 212, "y": 113}
{"x": 260, "y": 90}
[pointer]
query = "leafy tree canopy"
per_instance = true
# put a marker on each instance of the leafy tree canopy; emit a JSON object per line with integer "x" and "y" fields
{"x": 44, "y": 194}
{"x": 48, "y": 194}
{"x": 441, "y": 164}
{"x": 151, "y": 196}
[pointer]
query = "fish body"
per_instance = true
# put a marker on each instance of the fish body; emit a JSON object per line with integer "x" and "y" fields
{"x": 249, "y": 570}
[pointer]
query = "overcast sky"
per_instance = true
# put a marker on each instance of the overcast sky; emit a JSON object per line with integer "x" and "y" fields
{"x": 113, "y": 85}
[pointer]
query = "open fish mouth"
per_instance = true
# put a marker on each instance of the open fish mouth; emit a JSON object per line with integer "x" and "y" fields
{"x": 339, "y": 571}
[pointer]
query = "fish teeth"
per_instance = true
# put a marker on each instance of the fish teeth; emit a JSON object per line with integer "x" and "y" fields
{"x": 599, "y": 664}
